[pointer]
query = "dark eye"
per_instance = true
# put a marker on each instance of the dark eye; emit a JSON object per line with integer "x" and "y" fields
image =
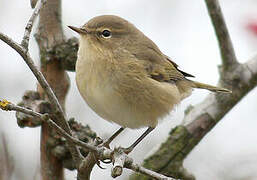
{"x": 106, "y": 34}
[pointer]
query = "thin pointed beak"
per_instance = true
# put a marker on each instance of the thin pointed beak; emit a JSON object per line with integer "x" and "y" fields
{"x": 78, "y": 30}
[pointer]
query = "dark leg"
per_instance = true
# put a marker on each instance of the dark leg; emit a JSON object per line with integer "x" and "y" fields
{"x": 108, "y": 141}
{"x": 130, "y": 148}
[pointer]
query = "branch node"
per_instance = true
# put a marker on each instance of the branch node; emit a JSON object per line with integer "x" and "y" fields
{"x": 45, "y": 117}
{"x": 118, "y": 159}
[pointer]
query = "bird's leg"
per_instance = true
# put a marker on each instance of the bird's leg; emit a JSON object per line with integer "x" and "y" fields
{"x": 130, "y": 148}
{"x": 108, "y": 141}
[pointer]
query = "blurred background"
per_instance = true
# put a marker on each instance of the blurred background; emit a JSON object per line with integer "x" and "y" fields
{"x": 183, "y": 31}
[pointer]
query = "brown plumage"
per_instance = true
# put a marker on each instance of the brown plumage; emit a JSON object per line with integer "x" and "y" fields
{"x": 124, "y": 77}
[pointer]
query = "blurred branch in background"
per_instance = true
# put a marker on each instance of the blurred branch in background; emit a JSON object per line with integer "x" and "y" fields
{"x": 199, "y": 120}
{"x": 6, "y": 160}
{"x": 49, "y": 33}
{"x": 228, "y": 56}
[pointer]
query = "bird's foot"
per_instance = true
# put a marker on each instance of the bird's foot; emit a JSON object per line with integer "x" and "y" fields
{"x": 127, "y": 150}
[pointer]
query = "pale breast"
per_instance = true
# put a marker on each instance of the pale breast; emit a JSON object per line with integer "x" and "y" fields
{"x": 133, "y": 106}
{"x": 123, "y": 94}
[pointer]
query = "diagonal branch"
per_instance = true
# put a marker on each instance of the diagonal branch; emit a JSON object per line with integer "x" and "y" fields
{"x": 49, "y": 33}
{"x": 200, "y": 119}
{"x": 59, "y": 115}
{"x": 27, "y": 58}
{"x": 225, "y": 44}
{"x": 28, "y": 28}
{"x": 44, "y": 84}
{"x": 102, "y": 152}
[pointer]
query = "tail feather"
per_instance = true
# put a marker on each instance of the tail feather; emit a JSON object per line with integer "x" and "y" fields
{"x": 210, "y": 87}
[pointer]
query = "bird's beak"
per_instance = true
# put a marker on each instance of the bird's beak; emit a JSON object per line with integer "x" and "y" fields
{"x": 78, "y": 30}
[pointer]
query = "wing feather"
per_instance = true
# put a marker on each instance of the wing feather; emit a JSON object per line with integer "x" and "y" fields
{"x": 158, "y": 66}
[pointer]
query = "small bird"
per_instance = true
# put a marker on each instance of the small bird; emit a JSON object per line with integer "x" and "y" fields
{"x": 125, "y": 78}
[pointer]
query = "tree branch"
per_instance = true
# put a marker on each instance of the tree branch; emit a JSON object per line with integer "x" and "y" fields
{"x": 27, "y": 58}
{"x": 44, "y": 84}
{"x": 7, "y": 106}
{"x": 101, "y": 152}
{"x": 49, "y": 33}
{"x": 229, "y": 59}
{"x": 6, "y": 160}
{"x": 58, "y": 110}
{"x": 199, "y": 120}
{"x": 183, "y": 138}
{"x": 28, "y": 28}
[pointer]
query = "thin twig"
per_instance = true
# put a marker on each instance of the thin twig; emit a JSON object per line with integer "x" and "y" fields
{"x": 70, "y": 138}
{"x": 28, "y": 28}
{"x": 142, "y": 170}
{"x": 104, "y": 153}
{"x": 42, "y": 81}
{"x": 229, "y": 59}
{"x": 55, "y": 76}
{"x": 121, "y": 160}
{"x": 11, "y": 43}
{"x": 44, "y": 84}
{"x": 44, "y": 117}
{"x": 60, "y": 116}
{"x": 33, "y": 3}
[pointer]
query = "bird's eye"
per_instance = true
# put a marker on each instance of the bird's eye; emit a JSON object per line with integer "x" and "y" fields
{"x": 106, "y": 34}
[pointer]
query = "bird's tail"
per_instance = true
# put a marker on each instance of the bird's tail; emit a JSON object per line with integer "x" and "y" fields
{"x": 210, "y": 87}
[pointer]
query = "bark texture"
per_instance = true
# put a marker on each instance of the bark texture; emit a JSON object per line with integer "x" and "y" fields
{"x": 48, "y": 35}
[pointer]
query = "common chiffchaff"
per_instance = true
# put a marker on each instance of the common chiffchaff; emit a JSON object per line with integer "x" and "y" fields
{"x": 125, "y": 78}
